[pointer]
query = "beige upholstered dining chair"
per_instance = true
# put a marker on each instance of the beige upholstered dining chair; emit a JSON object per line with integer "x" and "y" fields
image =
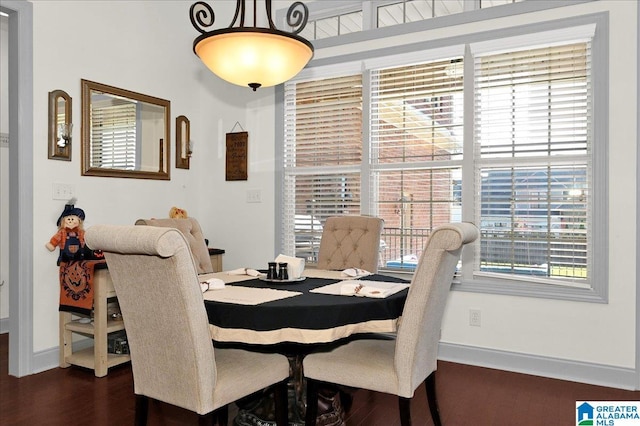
{"x": 192, "y": 231}
{"x": 172, "y": 355}
{"x": 398, "y": 366}
{"x": 350, "y": 242}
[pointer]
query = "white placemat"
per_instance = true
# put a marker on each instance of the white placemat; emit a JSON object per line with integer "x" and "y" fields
{"x": 247, "y": 295}
{"x": 377, "y": 289}
{"x": 224, "y": 276}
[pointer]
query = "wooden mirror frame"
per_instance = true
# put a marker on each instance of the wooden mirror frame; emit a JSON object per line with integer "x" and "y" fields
{"x": 59, "y": 113}
{"x": 183, "y": 142}
{"x": 164, "y": 166}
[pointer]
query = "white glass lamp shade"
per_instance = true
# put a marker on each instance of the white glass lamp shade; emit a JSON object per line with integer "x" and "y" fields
{"x": 254, "y": 57}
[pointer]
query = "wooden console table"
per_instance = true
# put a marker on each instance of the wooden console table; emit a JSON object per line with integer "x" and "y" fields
{"x": 216, "y": 259}
{"x": 97, "y": 357}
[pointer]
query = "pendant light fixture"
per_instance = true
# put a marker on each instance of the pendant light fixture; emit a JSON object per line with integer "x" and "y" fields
{"x": 251, "y": 55}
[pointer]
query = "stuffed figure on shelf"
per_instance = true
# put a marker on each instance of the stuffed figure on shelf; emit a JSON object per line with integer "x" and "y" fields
{"x": 70, "y": 236}
{"x": 177, "y": 213}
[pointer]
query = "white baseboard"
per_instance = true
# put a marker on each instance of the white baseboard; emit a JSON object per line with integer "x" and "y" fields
{"x": 50, "y": 358}
{"x": 4, "y": 325}
{"x": 574, "y": 371}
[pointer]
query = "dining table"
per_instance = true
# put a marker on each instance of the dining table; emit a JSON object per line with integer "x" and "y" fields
{"x": 295, "y": 317}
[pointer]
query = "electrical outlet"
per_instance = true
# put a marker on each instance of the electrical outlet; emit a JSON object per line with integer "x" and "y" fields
{"x": 254, "y": 196}
{"x": 474, "y": 317}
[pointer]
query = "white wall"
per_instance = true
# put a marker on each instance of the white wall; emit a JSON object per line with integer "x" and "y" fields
{"x": 146, "y": 47}
{"x": 150, "y": 51}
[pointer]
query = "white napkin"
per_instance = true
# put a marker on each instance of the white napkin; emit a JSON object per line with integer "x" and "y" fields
{"x": 245, "y": 271}
{"x": 353, "y": 289}
{"x": 295, "y": 265}
{"x": 377, "y": 289}
{"x": 211, "y": 284}
{"x": 355, "y": 273}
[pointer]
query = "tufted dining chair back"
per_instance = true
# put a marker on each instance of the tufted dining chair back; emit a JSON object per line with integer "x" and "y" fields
{"x": 350, "y": 242}
{"x": 172, "y": 355}
{"x": 398, "y": 366}
{"x": 192, "y": 231}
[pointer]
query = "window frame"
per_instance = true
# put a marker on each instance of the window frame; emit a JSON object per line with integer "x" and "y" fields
{"x": 598, "y": 289}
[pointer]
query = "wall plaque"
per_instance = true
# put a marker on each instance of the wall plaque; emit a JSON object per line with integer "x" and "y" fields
{"x": 236, "y": 164}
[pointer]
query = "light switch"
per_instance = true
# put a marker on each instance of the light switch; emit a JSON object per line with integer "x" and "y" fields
{"x": 63, "y": 191}
{"x": 254, "y": 196}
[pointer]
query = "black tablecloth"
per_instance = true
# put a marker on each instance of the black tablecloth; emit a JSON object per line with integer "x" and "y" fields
{"x": 311, "y": 311}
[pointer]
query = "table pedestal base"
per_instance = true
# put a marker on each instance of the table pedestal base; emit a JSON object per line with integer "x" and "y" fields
{"x": 258, "y": 410}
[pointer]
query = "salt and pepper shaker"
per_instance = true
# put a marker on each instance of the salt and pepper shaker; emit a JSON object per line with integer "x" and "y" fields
{"x": 283, "y": 275}
{"x": 272, "y": 273}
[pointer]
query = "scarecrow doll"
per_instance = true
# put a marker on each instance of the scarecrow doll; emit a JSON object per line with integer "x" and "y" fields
{"x": 70, "y": 236}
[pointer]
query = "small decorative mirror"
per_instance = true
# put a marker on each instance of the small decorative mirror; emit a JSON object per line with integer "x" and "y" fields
{"x": 183, "y": 142}
{"x": 60, "y": 125}
{"x": 124, "y": 133}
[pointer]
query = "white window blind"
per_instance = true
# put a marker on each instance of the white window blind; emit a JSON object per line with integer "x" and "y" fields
{"x": 322, "y": 158}
{"x": 416, "y": 154}
{"x": 113, "y": 136}
{"x": 532, "y": 162}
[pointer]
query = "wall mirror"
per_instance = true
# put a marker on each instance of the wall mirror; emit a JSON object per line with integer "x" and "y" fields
{"x": 183, "y": 142}
{"x": 124, "y": 133}
{"x": 60, "y": 125}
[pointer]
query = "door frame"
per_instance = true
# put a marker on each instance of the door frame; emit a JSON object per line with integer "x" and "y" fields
{"x": 20, "y": 186}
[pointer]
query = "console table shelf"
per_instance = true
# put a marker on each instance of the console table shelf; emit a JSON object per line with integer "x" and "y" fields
{"x": 86, "y": 358}
{"x": 89, "y": 329}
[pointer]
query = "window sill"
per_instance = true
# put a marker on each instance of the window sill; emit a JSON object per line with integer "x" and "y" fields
{"x": 526, "y": 289}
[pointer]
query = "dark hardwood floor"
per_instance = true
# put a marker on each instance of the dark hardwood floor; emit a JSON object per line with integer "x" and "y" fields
{"x": 467, "y": 395}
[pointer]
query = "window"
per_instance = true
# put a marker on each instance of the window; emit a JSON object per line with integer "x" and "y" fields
{"x": 416, "y": 10}
{"x": 333, "y": 26}
{"x": 322, "y": 156}
{"x": 391, "y": 141}
{"x": 354, "y": 16}
{"x": 113, "y": 136}
{"x": 532, "y": 117}
{"x": 401, "y": 12}
{"x": 490, "y": 3}
{"x": 416, "y": 153}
